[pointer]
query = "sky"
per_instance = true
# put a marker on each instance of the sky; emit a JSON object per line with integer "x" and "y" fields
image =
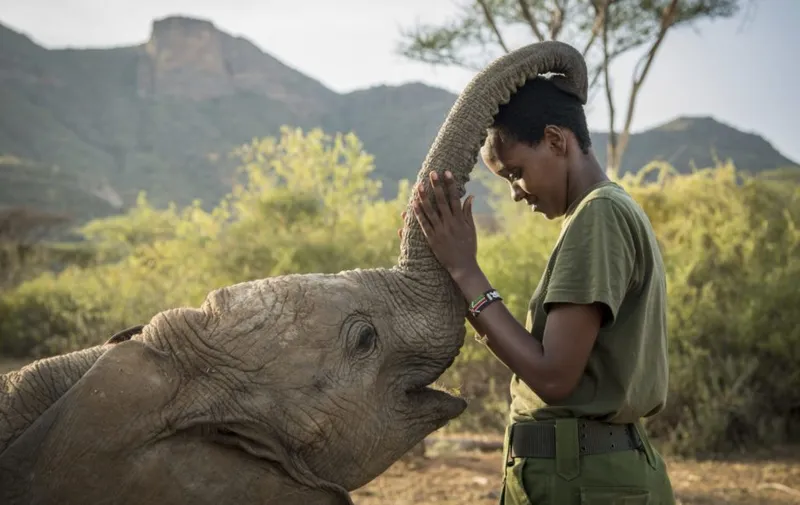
{"x": 742, "y": 71}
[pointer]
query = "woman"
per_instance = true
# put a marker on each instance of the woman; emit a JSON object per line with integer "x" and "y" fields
{"x": 593, "y": 360}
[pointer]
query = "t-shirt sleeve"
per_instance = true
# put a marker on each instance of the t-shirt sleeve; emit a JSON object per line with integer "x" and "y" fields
{"x": 596, "y": 260}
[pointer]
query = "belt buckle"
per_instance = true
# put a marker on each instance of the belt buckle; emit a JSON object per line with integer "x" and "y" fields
{"x": 633, "y": 434}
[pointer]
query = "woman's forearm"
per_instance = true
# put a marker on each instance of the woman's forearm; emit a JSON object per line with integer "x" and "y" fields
{"x": 508, "y": 339}
{"x": 476, "y": 325}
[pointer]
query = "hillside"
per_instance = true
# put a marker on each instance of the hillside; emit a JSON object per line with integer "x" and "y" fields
{"x": 687, "y": 141}
{"x": 88, "y": 128}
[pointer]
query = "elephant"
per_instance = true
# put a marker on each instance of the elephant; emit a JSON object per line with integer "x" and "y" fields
{"x": 292, "y": 389}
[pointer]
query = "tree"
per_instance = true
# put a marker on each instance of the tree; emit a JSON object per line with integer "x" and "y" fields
{"x": 602, "y": 30}
{"x": 331, "y": 171}
{"x": 22, "y": 229}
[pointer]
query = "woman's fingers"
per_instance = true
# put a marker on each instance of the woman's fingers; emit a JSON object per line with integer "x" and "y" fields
{"x": 446, "y": 204}
{"x": 422, "y": 219}
{"x": 454, "y": 201}
{"x": 423, "y": 202}
{"x": 442, "y": 203}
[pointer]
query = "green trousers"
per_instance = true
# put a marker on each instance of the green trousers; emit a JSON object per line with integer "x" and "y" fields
{"x": 635, "y": 477}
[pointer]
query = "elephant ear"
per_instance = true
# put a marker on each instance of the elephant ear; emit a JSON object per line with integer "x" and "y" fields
{"x": 125, "y": 335}
{"x": 115, "y": 406}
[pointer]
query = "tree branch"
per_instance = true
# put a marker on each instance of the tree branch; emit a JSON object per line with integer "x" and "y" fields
{"x": 598, "y": 71}
{"x": 596, "y": 26}
{"x": 526, "y": 13}
{"x": 667, "y": 20}
{"x": 487, "y": 13}
{"x": 611, "y": 152}
{"x": 557, "y": 19}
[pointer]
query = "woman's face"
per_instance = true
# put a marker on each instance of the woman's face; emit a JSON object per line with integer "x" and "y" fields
{"x": 537, "y": 175}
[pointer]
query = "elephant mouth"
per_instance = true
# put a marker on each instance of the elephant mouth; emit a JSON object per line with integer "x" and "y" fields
{"x": 426, "y": 395}
{"x": 426, "y": 381}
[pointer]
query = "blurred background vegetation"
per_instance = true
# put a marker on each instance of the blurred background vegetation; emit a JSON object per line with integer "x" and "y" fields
{"x": 305, "y": 202}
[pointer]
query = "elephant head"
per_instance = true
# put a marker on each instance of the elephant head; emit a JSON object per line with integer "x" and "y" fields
{"x": 320, "y": 380}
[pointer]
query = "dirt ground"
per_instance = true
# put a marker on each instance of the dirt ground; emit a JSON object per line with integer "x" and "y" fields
{"x": 474, "y": 477}
{"x": 456, "y": 473}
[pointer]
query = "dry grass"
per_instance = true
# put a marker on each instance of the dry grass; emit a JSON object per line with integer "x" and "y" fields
{"x": 474, "y": 477}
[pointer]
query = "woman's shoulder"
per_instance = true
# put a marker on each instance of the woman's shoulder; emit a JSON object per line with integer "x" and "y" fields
{"x": 614, "y": 199}
{"x": 609, "y": 190}
{"x": 609, "y": 210}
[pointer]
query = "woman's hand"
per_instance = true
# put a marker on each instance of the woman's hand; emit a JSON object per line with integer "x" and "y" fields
{"x": 448, "y": 226}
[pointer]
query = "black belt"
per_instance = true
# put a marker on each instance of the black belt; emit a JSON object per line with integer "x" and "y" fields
{"x": 538, "y": 439}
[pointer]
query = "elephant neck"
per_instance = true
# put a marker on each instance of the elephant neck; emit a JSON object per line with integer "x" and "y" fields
{"x": 25, "y": 394}
{"x": 289, "y": 491}
{"x": 255, "y": 475}
{"x": 261, "y": 458}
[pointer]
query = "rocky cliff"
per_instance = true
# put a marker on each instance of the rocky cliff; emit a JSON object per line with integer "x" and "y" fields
{"x": 191, "y": 59}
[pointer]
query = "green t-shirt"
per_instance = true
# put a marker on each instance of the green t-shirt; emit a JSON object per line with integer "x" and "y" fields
{"x": 607, "y": 252}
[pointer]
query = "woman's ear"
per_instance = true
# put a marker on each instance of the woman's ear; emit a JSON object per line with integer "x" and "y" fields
{"x": 556, "y": 139}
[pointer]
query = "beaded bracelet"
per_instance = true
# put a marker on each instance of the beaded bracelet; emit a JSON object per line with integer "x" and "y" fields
{"x": 483, "y": 301}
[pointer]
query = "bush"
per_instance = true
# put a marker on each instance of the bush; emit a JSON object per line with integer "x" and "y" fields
{"x": 733, "y": 252}
{"x": 730, "y": 242}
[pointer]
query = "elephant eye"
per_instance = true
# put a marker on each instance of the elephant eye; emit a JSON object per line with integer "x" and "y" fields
{"x": 359, "y": 334}
{"x": 366, "y": 338}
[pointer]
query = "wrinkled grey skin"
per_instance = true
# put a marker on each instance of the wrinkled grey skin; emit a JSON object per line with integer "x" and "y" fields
{"x": 291, "y": 390}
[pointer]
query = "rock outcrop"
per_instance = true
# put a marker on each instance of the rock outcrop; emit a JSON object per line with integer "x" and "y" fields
{"x": 191, "y": 59}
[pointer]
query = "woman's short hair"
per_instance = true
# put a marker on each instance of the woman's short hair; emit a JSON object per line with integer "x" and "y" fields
{"x": 535, "y": 105}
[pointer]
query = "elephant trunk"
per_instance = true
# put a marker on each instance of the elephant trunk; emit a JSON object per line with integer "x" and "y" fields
{"x": 460, "y": 138}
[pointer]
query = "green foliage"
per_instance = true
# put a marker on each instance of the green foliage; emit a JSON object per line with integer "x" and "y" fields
{"x": 732, "y": 245}
{"x": 306, "y": 203}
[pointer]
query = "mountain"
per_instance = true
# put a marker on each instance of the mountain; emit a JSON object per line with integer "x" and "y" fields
{"x": 695, "y": 141}
{"x": 84, "y": 130}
